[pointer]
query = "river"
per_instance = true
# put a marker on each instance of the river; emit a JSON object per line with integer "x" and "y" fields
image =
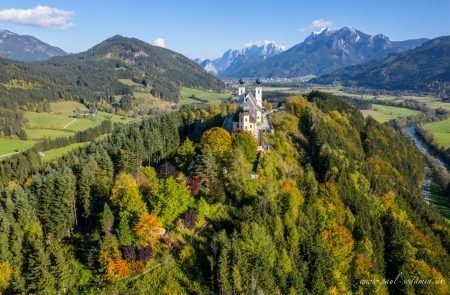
{"x": 421, "y": 144}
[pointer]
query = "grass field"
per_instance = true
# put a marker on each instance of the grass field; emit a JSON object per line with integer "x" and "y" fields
{"x": 383, "y": 113}
{"x": 187, "y": 93}
{"x": 59, "y": 121}
{"x": 129, "y": 82}
{"x": 428, "y": 100}
{"x": 440, "y": 201}
{"x": 67, "y": 107}
{"x": 40, "y": 134}
{"x": 146, "y": 102}
{"x": 82, "y": 124}
{"x": 115, "y": 118}
{"x": 20, "y": 84}
{"x": 46, "y": 120}
{"x": 440, "y": 131}
{"x": 51, "y": 125}
{"x": 55, "y": 153}
{"x": 8, "y": 146}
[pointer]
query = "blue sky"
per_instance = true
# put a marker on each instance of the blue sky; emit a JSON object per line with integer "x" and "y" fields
{"x": 206, "y": 29}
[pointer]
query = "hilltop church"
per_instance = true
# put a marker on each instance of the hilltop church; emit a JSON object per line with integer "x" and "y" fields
{"x": 250, "y": 115}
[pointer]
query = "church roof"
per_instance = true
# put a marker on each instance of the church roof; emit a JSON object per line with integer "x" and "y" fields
{"x": 249, "y": 101}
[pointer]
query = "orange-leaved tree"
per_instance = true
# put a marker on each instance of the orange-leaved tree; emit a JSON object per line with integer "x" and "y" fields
{"x": 148, "y": 228}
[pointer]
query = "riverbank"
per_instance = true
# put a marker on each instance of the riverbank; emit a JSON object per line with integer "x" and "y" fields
{"x": 434, "y": 194}
{"x": 425, "y": 147}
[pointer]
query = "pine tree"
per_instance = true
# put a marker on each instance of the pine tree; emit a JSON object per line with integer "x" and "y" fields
{"x": 62, "y": 267}
{"x": 124, "y": 232}
{"x": 63, "y": 214}
{"x": 38, "y": 277}
{"x": 107, "y": 220}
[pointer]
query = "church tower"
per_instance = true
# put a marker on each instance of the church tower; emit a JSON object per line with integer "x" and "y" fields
{"x": 258, "y": 93}
{"x": 258, "y": 96}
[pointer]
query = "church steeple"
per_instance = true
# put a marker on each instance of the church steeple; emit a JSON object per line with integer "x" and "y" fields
{"x": 258, "y": 93}
{"x": 241, "y": 87}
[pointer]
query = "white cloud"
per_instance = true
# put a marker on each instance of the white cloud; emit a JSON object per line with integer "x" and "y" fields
{"x": 40, "y": 16}
{"x": 316, "y": 25}
{"x": 160, "y": 42}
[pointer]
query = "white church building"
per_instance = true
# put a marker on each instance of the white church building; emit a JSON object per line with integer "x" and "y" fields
{"x": 250, "y": 115}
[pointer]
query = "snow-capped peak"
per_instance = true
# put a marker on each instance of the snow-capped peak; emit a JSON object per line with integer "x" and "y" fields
{"x": 251, "y": 52}
{"x": 263, "y": 49}
{"x": 320, "y": 31}
{"x": 4, "y": 33}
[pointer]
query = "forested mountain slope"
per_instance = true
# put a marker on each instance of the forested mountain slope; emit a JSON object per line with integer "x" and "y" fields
{"x": 94, "y": 75}
{"x": 148, "y": 211}
{"x": 327, "y": 51}
{"x": 425, "y": 68}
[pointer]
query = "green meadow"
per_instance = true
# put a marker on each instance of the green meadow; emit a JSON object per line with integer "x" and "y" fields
{"x": 440, "y": 131}
{"x": 8, "y": 146}
{"x": 201, "y": 95}
{"x": 129, "y": 82}
{"x": 40, "y": 134}
{"x": 56, "y": 153}
{"x": 57, "y": 123}
{"x": 383, "y": 113}
{"x": 440, "y": 201}
{"x": 67, "y": 107}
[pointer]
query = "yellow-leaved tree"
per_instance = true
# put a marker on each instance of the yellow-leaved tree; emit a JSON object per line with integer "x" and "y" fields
{"x": 218, "y": 139}
{"x": 6, "y": 273}
{"x": 125, "y": 194}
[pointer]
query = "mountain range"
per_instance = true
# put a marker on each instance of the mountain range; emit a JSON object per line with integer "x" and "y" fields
{"x": 322, "y": 52}
{"x": 233, "y": 60}
{"x": 26, "y": 48}
{"x": 425, "y": 68}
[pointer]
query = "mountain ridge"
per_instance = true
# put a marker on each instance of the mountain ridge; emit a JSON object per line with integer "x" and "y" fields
{"x": 231, "y": 62}
{"x": 26, "y": 47}
{"x": 326, "y": 51}
{"x": 425, "y": 68}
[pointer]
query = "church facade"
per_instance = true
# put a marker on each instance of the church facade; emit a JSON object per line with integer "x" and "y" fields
{"x": 250, "y": 115}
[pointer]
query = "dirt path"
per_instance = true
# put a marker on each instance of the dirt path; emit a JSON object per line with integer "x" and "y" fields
{"x": 67, "y": 125}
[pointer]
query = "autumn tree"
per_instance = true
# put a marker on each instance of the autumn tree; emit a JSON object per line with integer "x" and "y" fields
{"x": 125, "y": 194}
{"x": 148, "y": 228}
{"x": 218, "y": 139}
{"x": 185, "y": 154}
{"x": 246, "y": 142}
{"x": 171, "y": 198}
{"x": 6, "y": 273}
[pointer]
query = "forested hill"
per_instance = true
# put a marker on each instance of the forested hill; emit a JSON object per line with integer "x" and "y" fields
{"x": 425, "y": 68}
{"x": 94, "y": 75}
{"x": 148, "y": 211}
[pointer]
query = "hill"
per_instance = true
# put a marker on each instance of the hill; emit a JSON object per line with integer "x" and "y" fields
{"x": 26, "y": 48}
{"x": 93, "y": 76}
{"x": 326, "y": 51}
{"x": 334, "y": 207}
{"x": 425, "y": 68}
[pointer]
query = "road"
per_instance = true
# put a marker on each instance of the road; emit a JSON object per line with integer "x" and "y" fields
{"x": 426, "y": 188}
